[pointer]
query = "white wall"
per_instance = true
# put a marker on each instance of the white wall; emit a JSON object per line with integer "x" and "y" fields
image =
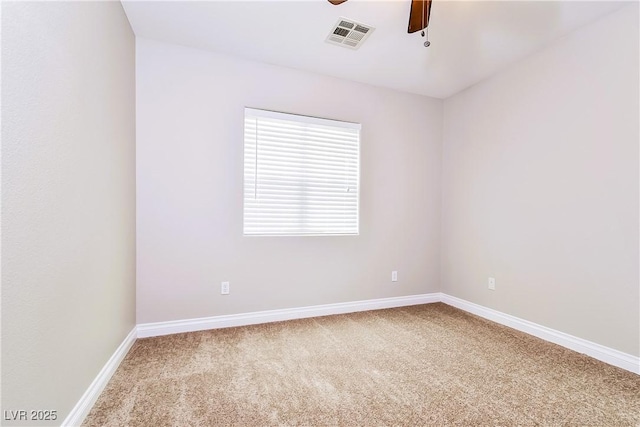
{"x": 68, "y": 198}
{"x": 540, "y": 186}
{"x": 189, "y": 183}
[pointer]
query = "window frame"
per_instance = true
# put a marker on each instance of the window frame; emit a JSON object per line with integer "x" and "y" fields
{"x": 298, "y": 118}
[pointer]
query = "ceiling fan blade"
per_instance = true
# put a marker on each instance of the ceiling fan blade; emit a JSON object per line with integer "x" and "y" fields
{"x": 419, "y": 15}
{"x": 336, "y": 2}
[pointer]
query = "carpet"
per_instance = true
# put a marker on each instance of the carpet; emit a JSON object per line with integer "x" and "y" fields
{"x": 421, "y": 365}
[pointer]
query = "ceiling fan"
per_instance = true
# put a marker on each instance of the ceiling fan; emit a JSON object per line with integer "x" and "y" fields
{"x": 418, "y": 15}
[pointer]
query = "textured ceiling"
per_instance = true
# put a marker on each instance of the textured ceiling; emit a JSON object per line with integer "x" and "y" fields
{"x": 470, "y": 40}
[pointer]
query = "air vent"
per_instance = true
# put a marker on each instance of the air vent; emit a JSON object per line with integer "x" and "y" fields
{"x": 349, "y": 33}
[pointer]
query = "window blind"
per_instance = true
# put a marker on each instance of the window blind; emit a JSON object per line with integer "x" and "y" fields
{"x": 301, "y": 175}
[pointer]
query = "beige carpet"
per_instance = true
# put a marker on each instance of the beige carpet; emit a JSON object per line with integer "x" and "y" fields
{"x": 421, "y": 365}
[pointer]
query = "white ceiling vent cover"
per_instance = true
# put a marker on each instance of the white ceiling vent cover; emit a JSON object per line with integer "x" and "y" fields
{"x": 349, "y": 33}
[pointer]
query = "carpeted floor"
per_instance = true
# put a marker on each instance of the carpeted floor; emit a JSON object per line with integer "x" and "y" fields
{"x": 422, "y": 365}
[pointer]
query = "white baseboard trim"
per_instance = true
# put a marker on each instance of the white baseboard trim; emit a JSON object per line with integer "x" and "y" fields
{"x": 597, "y": 351}
{"x": 84, "y": 405}
{"x": 146, "y": 330}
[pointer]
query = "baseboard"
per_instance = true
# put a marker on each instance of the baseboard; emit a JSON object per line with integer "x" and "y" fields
{"x": 190, "y": 325}
{"x": 84, "y": 405}
{"x": 597, "y": 351}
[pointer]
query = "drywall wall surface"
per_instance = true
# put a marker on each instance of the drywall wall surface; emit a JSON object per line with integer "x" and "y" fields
{"x": 540, "y": 186}
{"x": 68, "y": 199}
{"x": 190, "y": 112}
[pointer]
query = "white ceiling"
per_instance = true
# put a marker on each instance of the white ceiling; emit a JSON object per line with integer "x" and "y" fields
{"x": 470, "y": 40}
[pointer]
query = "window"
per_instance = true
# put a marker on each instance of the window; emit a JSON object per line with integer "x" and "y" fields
{"x": 301, "y": 175}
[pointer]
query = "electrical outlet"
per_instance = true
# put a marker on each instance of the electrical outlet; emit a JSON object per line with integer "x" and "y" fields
{"x": 492, "y": 283}
{"x": 394, "y": 276}
{"x": 224, "y": 288}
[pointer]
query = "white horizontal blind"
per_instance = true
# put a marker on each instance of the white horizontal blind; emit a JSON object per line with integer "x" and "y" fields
{"x": 301, "y": 175}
